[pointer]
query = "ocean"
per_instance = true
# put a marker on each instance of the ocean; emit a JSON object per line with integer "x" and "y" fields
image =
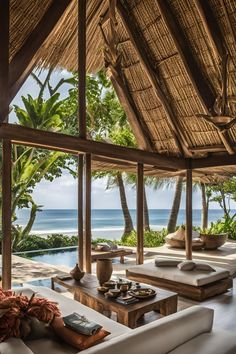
{"x": 106, "y": 223}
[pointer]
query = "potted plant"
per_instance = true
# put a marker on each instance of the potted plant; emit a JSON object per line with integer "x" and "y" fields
{"x": 215, "y": 236}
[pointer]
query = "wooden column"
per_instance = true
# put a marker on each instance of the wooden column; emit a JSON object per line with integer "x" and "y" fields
{"x": 80, "y": 211}
{"x": 189, "y": 207}
{"x": 81, "y": 121}
{"x": 82, "y": 68}
{"x": 6, "y": 145}
{"x": 139, "y": 211}
{"x": 87, "y": 225}
{"x": 6, "y": 214}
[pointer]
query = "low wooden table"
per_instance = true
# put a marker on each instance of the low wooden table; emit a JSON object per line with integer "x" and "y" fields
{"x": 86, "y": 292}
{"x": 120, "y": 252}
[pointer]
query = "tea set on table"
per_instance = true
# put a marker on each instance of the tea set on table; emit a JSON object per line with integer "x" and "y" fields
{"x": 126, "y": 289}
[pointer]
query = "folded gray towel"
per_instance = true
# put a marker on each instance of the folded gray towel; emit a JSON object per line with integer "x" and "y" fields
{"x": 81, "y": 324}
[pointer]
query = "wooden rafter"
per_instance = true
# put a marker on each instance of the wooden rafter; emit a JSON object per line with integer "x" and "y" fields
{"x": 211, "y": 27}
{"x": 137, "y": 42}
{"x": 23, "y": 61}
{"x": 74, "y": 145}
{"x": 112, "y": 59}
{"x": 138, "y": 126}
{"x": 4, "y": 59}
{"x": 203, "y": 89}
{"x": 205, "y": 93}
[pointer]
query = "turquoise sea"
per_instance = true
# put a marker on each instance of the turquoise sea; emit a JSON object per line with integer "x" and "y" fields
{"x": 107, "y": 223}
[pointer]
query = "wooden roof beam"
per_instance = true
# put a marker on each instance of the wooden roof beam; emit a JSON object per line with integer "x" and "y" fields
{"x": 217, "y": 41}
{"x": 214, "y": 161}
{"x": 70, "y": 144}
{"x": 139, "y": 127}
{"x": 202, "y": 88}
{"x": 23, "y": 62}
{"x": 151, "y": 73}
{"x": 211, "y": 27}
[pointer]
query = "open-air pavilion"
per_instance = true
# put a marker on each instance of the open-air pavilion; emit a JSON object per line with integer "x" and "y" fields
{"x": 172, "y": 64}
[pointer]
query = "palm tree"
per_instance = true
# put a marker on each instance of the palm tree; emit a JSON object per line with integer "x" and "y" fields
{"x": 205, "y": 204}
{"x": 116, "y": 180}
{"x": 176, "y": 205}
{"x": 166, "y": 183}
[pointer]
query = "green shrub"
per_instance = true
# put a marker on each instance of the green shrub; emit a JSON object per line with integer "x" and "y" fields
{"x": 151, "y": 238}
{"x": 225, "y": 225}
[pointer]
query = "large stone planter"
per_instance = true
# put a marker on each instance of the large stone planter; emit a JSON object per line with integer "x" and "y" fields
{"x": 104, "y": 270}
{"x": 212, "y": 242}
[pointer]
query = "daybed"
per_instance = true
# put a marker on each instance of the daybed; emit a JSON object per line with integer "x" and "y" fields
{"x": 197, "y": 285}
{"x": 187, "y": 331}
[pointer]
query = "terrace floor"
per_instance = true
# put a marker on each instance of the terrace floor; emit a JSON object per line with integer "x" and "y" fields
{"x": 25, "y": 270}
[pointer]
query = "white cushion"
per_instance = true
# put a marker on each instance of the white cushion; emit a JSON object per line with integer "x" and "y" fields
{"x": 160, "y": 262}
{"x": 186, "y": 265}
{"x": 14, "y": 346}
{"x": 204, "y": 266}
{"x": 195, "y": 278}
{"x": 160, "y": 336}
{"x": 216, "y": 342}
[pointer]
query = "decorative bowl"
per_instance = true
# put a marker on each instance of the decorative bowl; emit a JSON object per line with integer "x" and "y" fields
{"x": 112, "y": 294}
{"x": 102, "y": 289}
{"x": 111, "y": 284}
{"x": 120, "y": 283}
{"x": 143, "y": 293}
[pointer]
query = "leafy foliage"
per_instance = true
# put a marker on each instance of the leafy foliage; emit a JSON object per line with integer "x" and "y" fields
{"x": 226, "y": 225}
{"x": 35, "y": 242}
{"x": 151, "y": 238}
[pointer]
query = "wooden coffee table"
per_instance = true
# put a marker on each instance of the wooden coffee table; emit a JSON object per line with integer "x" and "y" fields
{"x": 86, "y": 292}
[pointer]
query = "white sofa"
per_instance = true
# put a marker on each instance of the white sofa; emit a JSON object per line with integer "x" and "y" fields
{"x": 185, "y": 332}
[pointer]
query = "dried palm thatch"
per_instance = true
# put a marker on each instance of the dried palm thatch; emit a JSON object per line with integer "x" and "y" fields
{"x": 172, "y": 62}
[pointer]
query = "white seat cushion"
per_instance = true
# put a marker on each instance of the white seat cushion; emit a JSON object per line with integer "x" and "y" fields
{"x": 195, "y": 277}
{"x": 216, "y": 342}
{"x": 14, "y": 346}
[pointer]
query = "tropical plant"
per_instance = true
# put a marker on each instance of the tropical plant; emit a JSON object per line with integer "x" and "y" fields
{"x": 226, "y": 225}
{"x": 151, "y": 238}
{"x": 31, "y": 165}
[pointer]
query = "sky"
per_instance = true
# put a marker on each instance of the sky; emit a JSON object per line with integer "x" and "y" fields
{"x": 62, "y": 192}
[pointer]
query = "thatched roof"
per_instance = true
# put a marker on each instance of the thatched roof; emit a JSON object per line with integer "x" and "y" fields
{"x": 172, "y": 62}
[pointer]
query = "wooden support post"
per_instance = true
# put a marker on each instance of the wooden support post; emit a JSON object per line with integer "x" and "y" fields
{"x": 6, "y": 144}
{"x": 87, "y": 228}
{"x": 189, "y": 225}
{"x": 6, "y": 214}
{"x": 81, "y": 125}
{"x": 139, "y": 211}
{"x": 80, "y": 211}
{"x": 82, "y": 68}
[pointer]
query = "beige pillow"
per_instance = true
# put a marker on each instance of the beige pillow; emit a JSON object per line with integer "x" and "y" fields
{"x": 166, "y": 262}
{"x": 186, "y": 265}
{"x": 179, "y": 234}
{"x": 204, "y": 266}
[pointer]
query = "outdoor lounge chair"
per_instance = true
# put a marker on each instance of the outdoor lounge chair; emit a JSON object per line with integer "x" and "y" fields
{"x": 197, "y": 285}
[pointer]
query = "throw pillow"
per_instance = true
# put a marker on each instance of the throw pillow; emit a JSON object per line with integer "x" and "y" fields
{"x": 104, "y": 247}
{"x": 77, "y": 340}
{"x": 166, "y": 262}
{"x": 204, "y": 266}
{"x": 186, "y": 265}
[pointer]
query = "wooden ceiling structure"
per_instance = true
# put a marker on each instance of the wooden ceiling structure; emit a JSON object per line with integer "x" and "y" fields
{"x": 173, "y": 66}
